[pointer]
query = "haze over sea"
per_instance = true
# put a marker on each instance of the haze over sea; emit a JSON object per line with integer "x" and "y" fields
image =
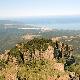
{"x": 58, "y": 22}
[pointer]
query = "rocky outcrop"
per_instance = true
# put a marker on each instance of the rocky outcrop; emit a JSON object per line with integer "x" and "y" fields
{"x": 48, "y": 54}
{"x": 5, "y": 56}
{"x": 59, "y": 67}
{"x": 53, "y": 54}
{"x": 63, "y": 77}
{"x": 11, "y": 72}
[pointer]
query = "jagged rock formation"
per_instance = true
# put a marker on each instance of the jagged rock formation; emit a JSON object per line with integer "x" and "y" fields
{"x": 5, "y": 56}
{"x": 38, "y": 50}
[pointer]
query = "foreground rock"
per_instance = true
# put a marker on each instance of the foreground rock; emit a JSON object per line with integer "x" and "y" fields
{"x": 37, "y": 57}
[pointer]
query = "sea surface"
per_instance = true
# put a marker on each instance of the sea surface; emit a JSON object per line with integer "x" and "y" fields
{"x": 58, "y": 22}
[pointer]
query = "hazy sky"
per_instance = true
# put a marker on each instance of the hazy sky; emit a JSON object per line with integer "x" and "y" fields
{"x": 22, "y": 8}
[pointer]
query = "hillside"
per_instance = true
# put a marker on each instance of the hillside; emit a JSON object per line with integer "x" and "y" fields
{"x": 39, "y": 59}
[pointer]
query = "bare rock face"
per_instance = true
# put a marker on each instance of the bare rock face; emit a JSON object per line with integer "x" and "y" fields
{"x": 37, "y": 54}
{"x": 5, "y": 56}
{"x": 26, "y": 56}
{"x": 11, "y": 73}
{"x": 63, "y": 77}
{"x": 52, "y": 78}
{"x": 48, "y": 54}
{"x": 14, "y": 61}
{"x": 59, "y": 67}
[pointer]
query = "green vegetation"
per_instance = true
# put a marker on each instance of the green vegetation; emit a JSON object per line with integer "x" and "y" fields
{"x": 2, "y": 64}
{"x": 39, "y": 44}
{"x": 15, "y": 52}
{"x": 37, "y": 70}
{"x": 2, "y": 78}
{"x": 74, "y": 68}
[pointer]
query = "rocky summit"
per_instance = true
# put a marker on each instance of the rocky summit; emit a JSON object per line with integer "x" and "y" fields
{"x": 39, "y": 59}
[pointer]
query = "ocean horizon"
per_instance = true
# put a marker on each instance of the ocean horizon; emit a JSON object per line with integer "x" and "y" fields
{"x": 56, "y": 22}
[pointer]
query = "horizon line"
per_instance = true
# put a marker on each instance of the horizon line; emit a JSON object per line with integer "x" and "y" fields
{"x": 17, "y": 17}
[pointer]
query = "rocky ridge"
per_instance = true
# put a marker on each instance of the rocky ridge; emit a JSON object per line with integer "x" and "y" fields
{"x": 41, "y": 57}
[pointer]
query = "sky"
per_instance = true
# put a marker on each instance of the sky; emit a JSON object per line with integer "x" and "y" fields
{"x": 32, "y": 8}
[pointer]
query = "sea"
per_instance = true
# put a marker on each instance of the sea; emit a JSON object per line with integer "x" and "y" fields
{"x": 57, "y": 22}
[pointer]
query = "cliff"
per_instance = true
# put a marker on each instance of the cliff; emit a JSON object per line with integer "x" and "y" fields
{"x": 38, "y": 59}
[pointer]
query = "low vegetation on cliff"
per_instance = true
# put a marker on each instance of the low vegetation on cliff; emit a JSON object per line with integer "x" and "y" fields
{"x": 39, "y": 59}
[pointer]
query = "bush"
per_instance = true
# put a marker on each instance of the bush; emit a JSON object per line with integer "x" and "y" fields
{"x": 2, "y": 78}
{"x": 74, "y": 68}
{"x": 37, "y": 70}
{"x": 15, "y": 52}
{"x": 34, "y": 70}
{"x": 2, "y": 64}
